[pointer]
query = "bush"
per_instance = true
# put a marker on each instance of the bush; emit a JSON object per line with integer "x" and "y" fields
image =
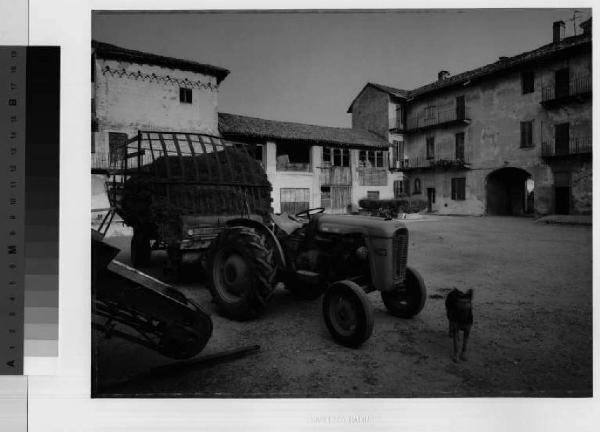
{"x": 393, "y": 206}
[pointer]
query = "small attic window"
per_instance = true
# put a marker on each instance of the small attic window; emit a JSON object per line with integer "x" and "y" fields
{"x": 185, "y": 95}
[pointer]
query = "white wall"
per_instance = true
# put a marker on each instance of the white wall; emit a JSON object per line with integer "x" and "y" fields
{"x": 132, "y": 96}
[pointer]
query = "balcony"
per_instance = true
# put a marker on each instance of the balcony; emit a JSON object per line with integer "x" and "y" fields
{"x": 446, "y": 162}
{"x": 102, "y": 162}
{"x": 439, "y": 119}
{"x": 577, "y": 89}
{"x": 335, "y": 175}
{"x": 562, "y": 148}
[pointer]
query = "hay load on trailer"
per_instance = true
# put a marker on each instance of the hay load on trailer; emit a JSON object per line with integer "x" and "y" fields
{"x": 185, "y": 192}
{"x": 172, "y": 177}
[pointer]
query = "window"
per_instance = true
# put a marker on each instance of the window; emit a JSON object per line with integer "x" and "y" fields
{"x": 372, "y": 158}
{"x": 527, "y": 82}
{"x": 185, "y": 95}
{"x": 398, "y": 151}
{"x": 561, "y": 138}
{"x": 430, "y": 112}
{"x": 459, "y": 145}
{"x": 430, "y": 148}
{"x": 336, "y": 156}
{"x": 398, "y": 188}
{"x": 458, "y": 188}
{"x": 527, "y": 134}
{"x": 290, "y": 156}
{"x": 373, "y": 195}
{"x": 417, "y": 187}
{"x": 327, "y": 155}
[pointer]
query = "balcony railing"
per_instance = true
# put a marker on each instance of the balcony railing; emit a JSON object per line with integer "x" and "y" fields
{"x": 102, "y": 161}
{"x": 293, "y": 166}
{"x": 440, "y": 162}
{"x": 574, "y": 146}
{"x": 577, "y": 87}
{"x": 441, "y": 118}
{"x": 335, "y": 175}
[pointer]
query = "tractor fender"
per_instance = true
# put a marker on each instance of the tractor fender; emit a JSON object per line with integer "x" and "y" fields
{"x": 269, "y": 236}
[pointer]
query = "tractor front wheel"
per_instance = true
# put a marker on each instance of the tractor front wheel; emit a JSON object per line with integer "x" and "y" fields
{"x": 348, "y": 313}
{"x": 409, "y": 300}
{"x": 140, "y": 250}
{"x": 241, "y": 273}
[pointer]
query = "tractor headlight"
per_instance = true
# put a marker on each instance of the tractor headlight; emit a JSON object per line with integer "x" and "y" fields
{"x": 362, "y": 253}
{"x": 190, "y": 232}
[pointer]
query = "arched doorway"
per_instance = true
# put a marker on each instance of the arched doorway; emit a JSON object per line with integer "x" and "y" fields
{"x": 509, "y": 191}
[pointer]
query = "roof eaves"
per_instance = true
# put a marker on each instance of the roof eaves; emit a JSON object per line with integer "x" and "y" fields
{"x": 543, "y": 52}
{"x": 113, "y": 52}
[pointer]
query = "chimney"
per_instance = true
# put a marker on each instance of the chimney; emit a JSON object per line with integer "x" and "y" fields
{"x": 558, "y": 31}
{"x": 442, "y": 75}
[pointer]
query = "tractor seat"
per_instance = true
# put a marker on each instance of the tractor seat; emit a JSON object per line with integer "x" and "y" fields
{"x": 287, "y": 222}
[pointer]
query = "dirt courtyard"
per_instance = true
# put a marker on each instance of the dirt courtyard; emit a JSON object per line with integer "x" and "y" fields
{"x": 532, "y": 333}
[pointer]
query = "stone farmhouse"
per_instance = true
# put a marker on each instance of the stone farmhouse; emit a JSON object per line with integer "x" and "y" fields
{"x": 509, "y": 138}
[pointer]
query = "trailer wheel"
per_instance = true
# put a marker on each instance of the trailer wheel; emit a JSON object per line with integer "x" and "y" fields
{"x": 241, "y": 273}
{"x": 140, "y": 249}
{"x": 348, "y": 313}
{"x": 409, "y": 300}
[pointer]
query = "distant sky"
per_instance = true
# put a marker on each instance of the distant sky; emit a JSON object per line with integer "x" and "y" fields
{"x": 307, "y": 67}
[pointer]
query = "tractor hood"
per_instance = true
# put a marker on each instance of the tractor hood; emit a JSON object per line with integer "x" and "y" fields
{"x": 347, "y": 224}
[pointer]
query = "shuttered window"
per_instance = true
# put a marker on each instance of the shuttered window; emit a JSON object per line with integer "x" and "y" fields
{"x": 430, "y": 148}
{"x": 527, "y": 82}
{"x": 398, "y": 188}
{"x": 527, "y": 134}
{"x": 458, "y": 188}
{"x": 459, "y": 141}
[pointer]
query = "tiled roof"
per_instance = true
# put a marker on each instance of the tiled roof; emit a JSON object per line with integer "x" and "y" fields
{"x": 113, "y": 52}
{"x": 387, "y": 89}
{"x": 538, "y": 54}
{"x": 233, "y": 125}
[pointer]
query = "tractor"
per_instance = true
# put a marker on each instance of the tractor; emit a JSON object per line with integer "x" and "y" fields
{"x": 191, "y": 192}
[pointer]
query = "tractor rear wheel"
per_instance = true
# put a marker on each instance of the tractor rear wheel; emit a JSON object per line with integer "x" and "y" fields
{"x": 348, "y": 313}
{"x": 140, "y": 250}
{"x": 409, "y": 300}
{"x": 241, "y": 273}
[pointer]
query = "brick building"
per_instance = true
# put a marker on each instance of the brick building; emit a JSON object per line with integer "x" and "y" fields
{"x": 511, "y": 137}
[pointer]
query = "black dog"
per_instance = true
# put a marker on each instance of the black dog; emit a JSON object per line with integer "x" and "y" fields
{"x": 459, "y": 310}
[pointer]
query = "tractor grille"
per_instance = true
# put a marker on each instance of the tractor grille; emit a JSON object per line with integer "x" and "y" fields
{"x": 400, "y": 253}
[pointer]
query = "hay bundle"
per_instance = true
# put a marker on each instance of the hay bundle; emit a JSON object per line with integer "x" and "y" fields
{"x": 209, "y": 184}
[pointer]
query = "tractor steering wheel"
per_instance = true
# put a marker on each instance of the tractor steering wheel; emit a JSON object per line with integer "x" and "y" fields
{"x": 310, "y": 212}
